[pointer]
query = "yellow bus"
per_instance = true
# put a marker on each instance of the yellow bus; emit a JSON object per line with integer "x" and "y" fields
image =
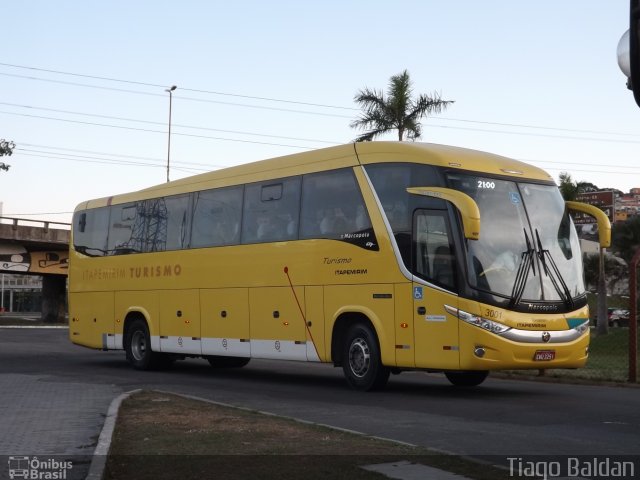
{"x": 377, "y": 257}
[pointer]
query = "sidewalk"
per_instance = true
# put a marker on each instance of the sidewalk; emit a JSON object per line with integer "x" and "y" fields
{"x": 47, "y": 418}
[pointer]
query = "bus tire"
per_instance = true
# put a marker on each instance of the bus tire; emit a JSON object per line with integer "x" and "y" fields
{"x": 137, "y": 346}
{"x": 361, "y": 359}
{"x": 471, "y": 378}
{"x": 220, "y": 361}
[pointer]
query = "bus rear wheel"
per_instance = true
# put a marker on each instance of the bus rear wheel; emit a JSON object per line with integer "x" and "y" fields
{"x": 137, "y": 346}
{"x": 361, "y": 359}
{"x": 220, "y": 361}
{"x": 471, "y": 378}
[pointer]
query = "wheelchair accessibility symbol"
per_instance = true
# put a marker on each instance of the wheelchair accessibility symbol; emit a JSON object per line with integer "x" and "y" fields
{"x": 417, "y": 293}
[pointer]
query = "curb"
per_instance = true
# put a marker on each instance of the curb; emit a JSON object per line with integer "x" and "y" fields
{"x": 99, "y": 460}
{"x": 100, "y": 455}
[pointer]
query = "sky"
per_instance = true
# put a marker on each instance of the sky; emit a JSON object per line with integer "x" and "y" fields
{"x": 82, "y": 86}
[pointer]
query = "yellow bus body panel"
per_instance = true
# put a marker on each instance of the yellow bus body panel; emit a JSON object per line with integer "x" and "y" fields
{"x": 436, "y": 333}
{"x": 92, "y": 322}
{"x": 502, "y": 353}
{"x": 224, "y": 314}
{"x": 283, "y": 299}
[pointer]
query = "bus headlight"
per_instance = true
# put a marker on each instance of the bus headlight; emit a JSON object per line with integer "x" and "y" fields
{"x": 583, "y": 327}
{"x": 488, "y": 325}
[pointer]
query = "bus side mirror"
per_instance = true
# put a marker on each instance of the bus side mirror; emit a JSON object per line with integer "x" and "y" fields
{"x": 604, "y": 225}
{"x": 466, "y": 205}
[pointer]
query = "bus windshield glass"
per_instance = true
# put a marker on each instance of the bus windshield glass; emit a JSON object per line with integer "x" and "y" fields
{"x": 528, "y": 248}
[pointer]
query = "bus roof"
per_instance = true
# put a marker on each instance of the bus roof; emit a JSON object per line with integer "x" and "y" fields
{"x": 450, "y": 157}
{"x": 341, "y": 156}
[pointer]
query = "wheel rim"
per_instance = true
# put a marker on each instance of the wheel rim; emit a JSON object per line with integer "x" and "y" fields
{"x": 138, "y": 345}
{"x": 359, "y": 357}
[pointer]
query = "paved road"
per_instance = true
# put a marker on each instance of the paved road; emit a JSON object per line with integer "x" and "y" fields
{"x": 53, "y": 397}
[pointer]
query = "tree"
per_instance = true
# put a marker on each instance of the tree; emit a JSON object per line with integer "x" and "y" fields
{"x": 568, "y": 188}
{"x": 626, "y": 238}
{"x": 616, "y": 269}
{"x": 587, "y": 187}
{"x": 6, "y": 148}
{"x": 397, "y": 111}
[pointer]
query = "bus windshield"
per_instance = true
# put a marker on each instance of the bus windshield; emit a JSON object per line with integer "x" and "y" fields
{"x": 528, "y": 249}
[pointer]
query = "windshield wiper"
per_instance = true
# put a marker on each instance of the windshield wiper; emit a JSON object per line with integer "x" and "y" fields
{"x": 551, "y": 271}
{"x": 526, "y": 265}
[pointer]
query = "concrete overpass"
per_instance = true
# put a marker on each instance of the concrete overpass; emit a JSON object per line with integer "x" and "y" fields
{"x": 36, "y": 247}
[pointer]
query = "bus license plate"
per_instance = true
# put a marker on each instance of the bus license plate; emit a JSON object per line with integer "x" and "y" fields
{"x": 544, "y": 355}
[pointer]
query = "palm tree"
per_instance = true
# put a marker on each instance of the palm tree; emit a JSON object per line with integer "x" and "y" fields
{"x": 6, "y": 148}
{"x": 398, "y": 111}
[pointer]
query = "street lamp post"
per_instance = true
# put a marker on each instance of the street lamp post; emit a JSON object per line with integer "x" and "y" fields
{"x": 170, "y": 90}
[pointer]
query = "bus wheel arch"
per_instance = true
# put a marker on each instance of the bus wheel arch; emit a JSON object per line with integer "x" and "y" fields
{"x": 356, "y": 347}
{"x": 137, "y": 345}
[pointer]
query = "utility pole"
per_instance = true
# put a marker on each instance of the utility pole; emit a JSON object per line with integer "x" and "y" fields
{"x": 170, "y": 90}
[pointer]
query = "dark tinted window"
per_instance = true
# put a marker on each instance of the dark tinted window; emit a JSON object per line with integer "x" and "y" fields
{"x": 332, "y": 206}
{"x": 271, "y": 211}
{"x": 391, "y": 181}
{"x": 153, "y": 225}
{"x": 216, "y": 217}
{"x": 176, "y": 228}
{"x": 127, "y": 228}
{"x": 434, "y": 260}
{"x": 90, "y": 231}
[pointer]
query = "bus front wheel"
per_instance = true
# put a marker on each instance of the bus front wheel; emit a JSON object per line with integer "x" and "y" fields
{"x": 471, "y": 378}
{"x": 361, "y": 359}
{"x": 137, "y": 346}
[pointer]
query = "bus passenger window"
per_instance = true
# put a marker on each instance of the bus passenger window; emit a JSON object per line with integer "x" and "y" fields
{"x": 175, "y": 230}
{"x": 127, "y": 229}
{"x": 332, "y": 206}
{"x": 90, "y": 231}
{"x": 216, "y": 217}
{"x": 271, "y": 210}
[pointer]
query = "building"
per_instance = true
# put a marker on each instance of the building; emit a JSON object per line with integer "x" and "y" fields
{"x": 618, "y": 206}
{"x": 20, "y": 293}
{"x": 628, "y": 204}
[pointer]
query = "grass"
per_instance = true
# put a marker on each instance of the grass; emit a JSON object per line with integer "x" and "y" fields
{"x": 162, "y": 436}
{"x": 608, "y": 359}
{"x": 613, "y": 301}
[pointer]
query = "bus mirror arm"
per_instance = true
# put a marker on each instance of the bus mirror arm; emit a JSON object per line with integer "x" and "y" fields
{"x": 604, "y": 225}
{"x": 466, "y": 205}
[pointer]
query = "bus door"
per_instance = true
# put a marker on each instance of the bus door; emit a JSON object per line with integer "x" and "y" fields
{"x": 435, "y": 331}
